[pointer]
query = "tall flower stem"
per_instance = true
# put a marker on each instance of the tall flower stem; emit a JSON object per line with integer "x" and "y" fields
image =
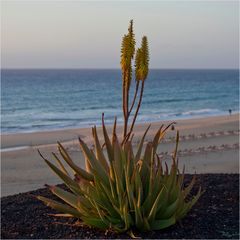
{"x": 136, "y": 112}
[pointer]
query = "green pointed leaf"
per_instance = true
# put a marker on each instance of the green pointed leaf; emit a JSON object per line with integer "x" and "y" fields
{"x": 129, "y": 189}
{"x": 156, "y": 139}
{"x": 60, "y": 164}
{"x": 146, "y": 225}
{"x": 176, "y": 148}
{"x": 107, "y": 141}
{"x": 100, "y": 213}
{"x": 140, "y": 146}
{"x": 155, "y": 205}
{"x": 119, "y": 185}
{"x": 188, "y": 189}
{"x": 67, "y": 197}
{"x": 62, "y": 215}
{"x": 95, "y": 222}
{"x": 145, "y": 170}
{"x": 99, "y": 153}
{"x": 97, "y": 168}
{"x": 127, "y": 217}
{"x": 138, "y": 216}
{"x": 118, "y": 163}
{"x": 165, "y": 130}
{"x": 139, "y": 189}
{"x": 66, "y": 179}
{"x": 129, "y": 162}
{"x": 114, "y": 129}
{"x": 59, "y": 206}
{"x": 76, "y": 169}
{"x": 163, "y": 223}
{"x": 189, "y": 205}
{"x": 64, "y": 153}
{"x": 170, "y": 210}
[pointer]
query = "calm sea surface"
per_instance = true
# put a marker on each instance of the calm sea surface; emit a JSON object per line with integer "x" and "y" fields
{"x": 36, "y": 100}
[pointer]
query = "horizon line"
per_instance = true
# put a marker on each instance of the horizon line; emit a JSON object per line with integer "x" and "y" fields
{"x": 94, "y": 68}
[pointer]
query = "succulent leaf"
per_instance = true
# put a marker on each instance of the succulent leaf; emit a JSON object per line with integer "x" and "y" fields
{"x": 96, "y": 167}
{"x": 99, "y": 154}
{"x": 107, "y": 141}
{"x": 67, "y": 197}
{"x": 59, "y": 206}
{"x": 73, "y": 166}
{"x": 139, "y": 151}
{"x": 66, "y": 179}
{"x": 60, "y": 164}
{"x": 163, "y": 223}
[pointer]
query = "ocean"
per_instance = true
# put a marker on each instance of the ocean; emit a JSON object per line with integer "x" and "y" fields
{"x": 40, "y": 100}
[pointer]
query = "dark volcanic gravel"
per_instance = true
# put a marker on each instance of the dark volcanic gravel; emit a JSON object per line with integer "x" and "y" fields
{"x": 216, "y": 215}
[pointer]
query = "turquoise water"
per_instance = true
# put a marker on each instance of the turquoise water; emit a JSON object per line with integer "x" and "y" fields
{"x": 36, "y": 100}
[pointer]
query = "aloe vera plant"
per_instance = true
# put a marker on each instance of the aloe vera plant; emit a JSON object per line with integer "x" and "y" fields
{"x": 122, "y": 188}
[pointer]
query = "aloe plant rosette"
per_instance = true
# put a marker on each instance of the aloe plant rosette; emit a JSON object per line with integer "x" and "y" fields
{"x": 122, "y": 190}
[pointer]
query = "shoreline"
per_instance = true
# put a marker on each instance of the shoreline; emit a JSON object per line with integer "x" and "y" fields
{"x": 207, "y": 145}
{"x": 120, "y": 124}
{"x": 6, "y": 138}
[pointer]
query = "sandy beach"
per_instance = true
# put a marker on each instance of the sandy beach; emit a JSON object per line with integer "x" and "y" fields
{"x": 207, "y": 145}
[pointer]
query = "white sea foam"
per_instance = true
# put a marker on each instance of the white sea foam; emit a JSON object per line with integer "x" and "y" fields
{"x": 10, "y": 149}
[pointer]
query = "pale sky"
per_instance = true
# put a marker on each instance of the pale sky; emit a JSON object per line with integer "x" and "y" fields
{"x": 78, "y": 34}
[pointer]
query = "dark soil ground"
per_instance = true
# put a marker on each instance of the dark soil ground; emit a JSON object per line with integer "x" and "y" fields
{"x": 215, "y": 216}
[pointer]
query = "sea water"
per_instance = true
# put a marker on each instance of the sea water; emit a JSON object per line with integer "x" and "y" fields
{"x": 39, "y": 100}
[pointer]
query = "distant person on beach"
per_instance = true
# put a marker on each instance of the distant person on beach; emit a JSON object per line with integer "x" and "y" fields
{"x": 230, "y": 112}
